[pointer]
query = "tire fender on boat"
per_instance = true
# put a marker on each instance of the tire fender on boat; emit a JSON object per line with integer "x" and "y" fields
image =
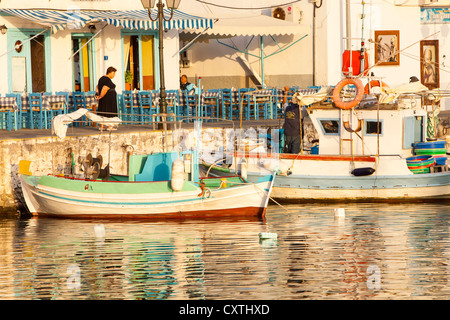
{"x": 350, "y": 104}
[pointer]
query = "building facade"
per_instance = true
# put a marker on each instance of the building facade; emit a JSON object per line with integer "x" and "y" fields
{"x": 75, "y": 57}
{"x": 41, "y": 59}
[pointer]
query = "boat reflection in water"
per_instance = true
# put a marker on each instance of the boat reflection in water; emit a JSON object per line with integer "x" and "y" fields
{"x": 374, "y": 251}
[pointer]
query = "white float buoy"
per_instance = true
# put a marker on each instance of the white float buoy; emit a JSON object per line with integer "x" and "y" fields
{"x": 268, "y": 235}
{"x": 99, "y": 230}
{"x": 339, "y": 212}
{"x": 268, "y": 239}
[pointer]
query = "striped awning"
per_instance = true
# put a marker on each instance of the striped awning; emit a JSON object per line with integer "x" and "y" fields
{"x": 131, "y": 19}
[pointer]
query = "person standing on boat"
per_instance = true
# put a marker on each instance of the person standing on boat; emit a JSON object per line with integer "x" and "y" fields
{"x": 106, "y": 95}
{"x": 293, "y": 127}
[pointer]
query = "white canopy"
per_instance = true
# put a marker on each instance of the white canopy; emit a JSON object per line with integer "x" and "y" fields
{"x": 259, "y": 25}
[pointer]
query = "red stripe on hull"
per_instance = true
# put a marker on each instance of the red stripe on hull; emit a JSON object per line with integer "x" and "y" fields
{"x": 240, "y": 212}
{"x": 306, "y": 157}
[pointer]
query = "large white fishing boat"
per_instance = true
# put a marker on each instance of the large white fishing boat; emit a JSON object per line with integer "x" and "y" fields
{"x": 371, "y": 148}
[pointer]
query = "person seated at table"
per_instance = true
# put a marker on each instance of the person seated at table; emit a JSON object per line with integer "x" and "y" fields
{"x": 184, "y": 82}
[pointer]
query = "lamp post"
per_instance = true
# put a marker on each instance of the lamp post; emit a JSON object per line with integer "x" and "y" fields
{"x": 172, "y": 5}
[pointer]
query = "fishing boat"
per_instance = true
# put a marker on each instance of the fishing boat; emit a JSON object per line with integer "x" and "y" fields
{"x": 366, "y": 151}
{"x": 158, "y": 185}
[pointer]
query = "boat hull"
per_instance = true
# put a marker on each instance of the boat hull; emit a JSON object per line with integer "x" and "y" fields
{"x": 79, "y": 199}
{"x": 374, "y": 188}
{"x": 324, "y": 178}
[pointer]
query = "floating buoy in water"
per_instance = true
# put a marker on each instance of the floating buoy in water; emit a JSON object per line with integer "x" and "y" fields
{"x": 99, "y": 230}
{"x": 339, "y": 212}
{"x": 268, "y": 235}
{"x": 177, "y": 180}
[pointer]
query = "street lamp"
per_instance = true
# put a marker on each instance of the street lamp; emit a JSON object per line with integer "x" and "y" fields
{"x": 172, "y": 5}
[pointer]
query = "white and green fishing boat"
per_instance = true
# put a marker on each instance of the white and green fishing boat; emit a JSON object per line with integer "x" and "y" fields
{"x": 158, "y": 185}
{"x": 155, "y": 188}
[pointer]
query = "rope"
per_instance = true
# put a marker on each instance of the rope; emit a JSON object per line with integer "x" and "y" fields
{"x": 264, "y": 191}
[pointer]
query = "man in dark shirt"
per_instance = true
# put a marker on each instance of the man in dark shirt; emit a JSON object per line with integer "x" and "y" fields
{"x": 292, "y": 129}
{"x": 184, "y": 82}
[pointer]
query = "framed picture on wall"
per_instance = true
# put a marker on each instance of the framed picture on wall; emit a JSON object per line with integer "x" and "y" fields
{"x": 387, "y": 44}
{"x": 429, "y": 63}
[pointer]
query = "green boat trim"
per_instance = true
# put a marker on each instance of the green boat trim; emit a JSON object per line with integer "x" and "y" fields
{"x": 112, "y": 187}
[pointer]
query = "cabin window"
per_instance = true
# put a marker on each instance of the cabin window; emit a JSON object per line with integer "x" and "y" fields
{"x": 329, "y": 126}
{"x": 373, "y": 127}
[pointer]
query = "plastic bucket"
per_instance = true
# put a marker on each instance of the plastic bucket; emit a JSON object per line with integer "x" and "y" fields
{"x": 420, "y": 164}
{"x": 430, "y": 151}
{"x": 430, "y": 145}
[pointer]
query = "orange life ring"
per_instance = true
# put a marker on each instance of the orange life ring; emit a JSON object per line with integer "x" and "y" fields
{"x": 359, "y": 93}
{"x": 374, "y": 83}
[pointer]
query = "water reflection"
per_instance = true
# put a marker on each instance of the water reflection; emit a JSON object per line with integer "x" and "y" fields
{"x": 375, "y": 251}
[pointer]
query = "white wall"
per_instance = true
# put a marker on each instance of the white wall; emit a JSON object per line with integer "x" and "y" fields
{"x": 330, "y": 33}
{"x": 61, "y": 50}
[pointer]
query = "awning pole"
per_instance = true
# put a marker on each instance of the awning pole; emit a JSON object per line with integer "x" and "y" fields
{"x": 88, "y": 42}
{"x": 285, "y": 48}
{"x": 262, "y": 62}
{"x": 18, "y": 46}
{"x": 192, "y": 41}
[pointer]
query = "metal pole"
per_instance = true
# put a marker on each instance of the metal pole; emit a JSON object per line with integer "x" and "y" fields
{"x": 162, "y": 92}
{"x": 263, "y": 84}
{"x": 349, "y": 34}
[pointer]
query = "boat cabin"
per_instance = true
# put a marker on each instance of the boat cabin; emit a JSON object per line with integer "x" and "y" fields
{"x": 385, "y": 129}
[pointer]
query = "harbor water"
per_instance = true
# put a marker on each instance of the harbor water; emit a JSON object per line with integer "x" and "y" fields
{"x": 299, "y": 252}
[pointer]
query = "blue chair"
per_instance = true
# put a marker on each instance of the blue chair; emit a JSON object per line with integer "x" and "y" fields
{"x": 79, "y": 101}
{"x": 35, "y": 114}
{"x": 226, "y": 96}
{"x": 128, "y": 106}
{"x": 273, "y": 104}
{"x": 248, "y": 104}
{"x": 89, "y": 106}
{"x": 190, "y": 105}
{"x": 53, "y": 110}
{"x": 6, "y": 117}
{"x": 18, "y": 114}
{"x": 146, "y": 108}
{"x": 173, "y": 103}
{"x": 243, "y": 101}
{"x": 211, "y": 104}
{"x": 67, "y": 96}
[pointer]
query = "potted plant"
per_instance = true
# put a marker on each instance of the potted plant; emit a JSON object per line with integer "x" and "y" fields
{"x": 128, "y": 80}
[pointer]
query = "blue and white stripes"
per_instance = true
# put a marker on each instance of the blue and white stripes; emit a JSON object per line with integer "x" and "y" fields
{"x": 130, "y": 19}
